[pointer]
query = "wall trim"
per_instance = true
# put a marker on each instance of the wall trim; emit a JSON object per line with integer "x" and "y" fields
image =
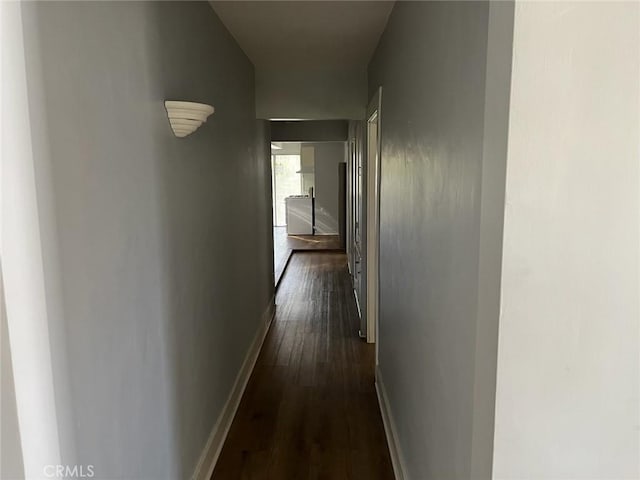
{"x": 284, "y": 269}
{"x": 213, "y": 447}
{"x": 390, "y": 429}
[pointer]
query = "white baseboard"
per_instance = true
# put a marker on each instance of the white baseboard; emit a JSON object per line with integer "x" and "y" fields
{"x": 390, "y": 429}
{"x": 213, "y": 447}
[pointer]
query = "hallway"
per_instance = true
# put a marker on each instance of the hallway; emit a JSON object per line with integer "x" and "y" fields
{"x": 310, "y": 408}
{"x": 285, "y": 245}
{"x": 470, "y": 173}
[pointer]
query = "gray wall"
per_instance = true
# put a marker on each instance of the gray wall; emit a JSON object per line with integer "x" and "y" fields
{"x": 318, "y": 94}
{"x": 163, "y": 243}
{"x": 441, "y": 165}
{"x": 310, "y": 131}
{"x": 11, "y": 467}
{"x": 28, "y": 260}
{"x": 327, "y": 157}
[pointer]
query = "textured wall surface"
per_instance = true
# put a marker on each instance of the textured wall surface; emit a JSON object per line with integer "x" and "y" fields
{"x": 432, "y": 64}
{"x": 164, "y": 250}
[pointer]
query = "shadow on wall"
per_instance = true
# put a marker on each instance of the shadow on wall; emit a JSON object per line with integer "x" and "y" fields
{"x": 327, "y": 157}
{"x": 215, "y": 203}
{"x": 11, "y": 452}
{"x": 165, "y": 243}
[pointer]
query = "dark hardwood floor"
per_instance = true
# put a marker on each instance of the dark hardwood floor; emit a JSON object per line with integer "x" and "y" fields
{"x": 310, "y": 409}
{"x": 285, "y": 245}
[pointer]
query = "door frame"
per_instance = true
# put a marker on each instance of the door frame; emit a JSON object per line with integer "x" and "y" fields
{"x": 359, "y": 220}
{"x": 373, "y": 217}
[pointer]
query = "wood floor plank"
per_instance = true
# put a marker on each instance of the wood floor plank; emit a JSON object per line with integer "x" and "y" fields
{"x": 310, "y": 410}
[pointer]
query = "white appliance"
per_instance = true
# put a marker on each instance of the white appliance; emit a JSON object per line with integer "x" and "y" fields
{"x": 299, "y": 210}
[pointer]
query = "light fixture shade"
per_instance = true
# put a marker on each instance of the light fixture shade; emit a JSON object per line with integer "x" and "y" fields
{"x": 186, "y": 117}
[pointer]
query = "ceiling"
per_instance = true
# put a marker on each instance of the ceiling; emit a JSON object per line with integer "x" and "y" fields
{"x": 317, "y": 35}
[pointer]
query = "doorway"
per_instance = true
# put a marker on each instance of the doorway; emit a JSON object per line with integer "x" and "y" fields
{"x": 373, "y": 216}
{"x": 306, "y": 198}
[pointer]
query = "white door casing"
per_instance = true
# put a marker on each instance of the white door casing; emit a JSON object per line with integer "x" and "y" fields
{"x": 373, "y": 216}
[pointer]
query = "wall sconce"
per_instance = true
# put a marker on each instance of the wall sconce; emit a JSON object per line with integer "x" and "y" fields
{"x": 186, "y": 117}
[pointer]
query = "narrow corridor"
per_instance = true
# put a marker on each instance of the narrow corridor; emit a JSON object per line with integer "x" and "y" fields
{"x": 284, "y": 245}
{"x": 310, "y": 409}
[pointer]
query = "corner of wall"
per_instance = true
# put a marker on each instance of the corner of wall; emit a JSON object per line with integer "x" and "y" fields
{"x": 494, "y": 162}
